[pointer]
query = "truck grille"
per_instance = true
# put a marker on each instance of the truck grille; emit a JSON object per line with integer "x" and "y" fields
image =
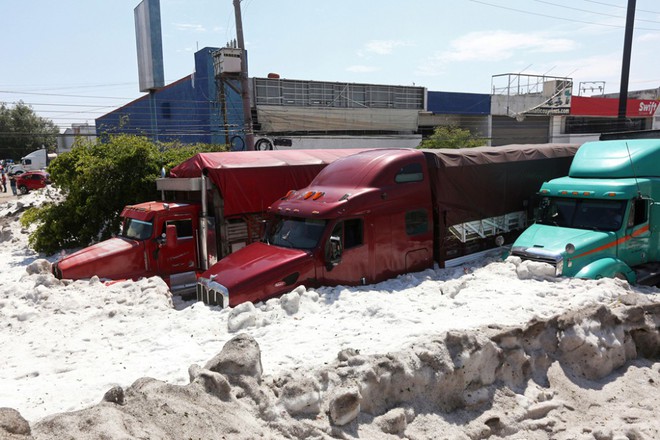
{"x": 551, "y": 261}
{"x": 539, "y": 255}
{"x": 212, "y": 293}
{"x": 56, "y": 271}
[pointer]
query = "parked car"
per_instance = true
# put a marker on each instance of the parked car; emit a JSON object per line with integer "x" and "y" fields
{"x": 32, "y": 180}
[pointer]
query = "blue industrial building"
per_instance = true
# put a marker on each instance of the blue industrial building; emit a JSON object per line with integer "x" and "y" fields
{"x": 185, "y": 110}
{"x": 206, "y": 107}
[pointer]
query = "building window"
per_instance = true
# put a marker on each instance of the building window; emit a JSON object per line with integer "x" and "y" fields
{"x": 337, "y": 95}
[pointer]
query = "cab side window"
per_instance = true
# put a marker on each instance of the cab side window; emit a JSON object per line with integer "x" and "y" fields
{"x": 410, "y": 173}
{"x": 638, "y": 212}
{"x": 351, "y": 232}
{"x": 184, "y": 227}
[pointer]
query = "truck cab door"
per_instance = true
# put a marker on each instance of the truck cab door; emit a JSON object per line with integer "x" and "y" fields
{"x": 176, "y": 251}
{"x": 346, "y": 254}
{"x": 635, "y": 248}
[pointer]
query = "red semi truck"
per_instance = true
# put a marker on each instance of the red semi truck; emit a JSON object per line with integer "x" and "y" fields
{"x": 213, "y": 204}
{"x": 380, "y": 213}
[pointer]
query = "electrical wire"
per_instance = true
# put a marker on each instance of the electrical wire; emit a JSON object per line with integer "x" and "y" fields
{"x": 558, "y": 18}
{"x": 622, "y": 7}
{"x": 593, "y": 12}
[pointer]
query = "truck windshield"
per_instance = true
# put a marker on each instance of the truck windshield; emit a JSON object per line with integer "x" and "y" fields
{"x": 297, "y": 233}
{"x": 599, "y": 215}
{"x": 136, "y": 229}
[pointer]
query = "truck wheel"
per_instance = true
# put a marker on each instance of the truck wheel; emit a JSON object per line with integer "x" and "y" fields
{"x": 23, "y": 189}
{"x": 237, "y": 143}
{"x": 263, "y": 145}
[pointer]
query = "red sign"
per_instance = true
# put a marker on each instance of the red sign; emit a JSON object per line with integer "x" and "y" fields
{"x": 585, "y": 106}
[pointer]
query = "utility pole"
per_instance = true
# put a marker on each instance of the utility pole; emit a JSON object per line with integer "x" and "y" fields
{"x": 625, "y": 65}
{"x": 245, "y": 90}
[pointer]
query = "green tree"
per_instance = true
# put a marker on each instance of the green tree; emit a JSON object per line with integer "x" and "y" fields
{"x": 98, "y": 179}
{"x": 451, "y": 136}
{"x": 22, "y": 131}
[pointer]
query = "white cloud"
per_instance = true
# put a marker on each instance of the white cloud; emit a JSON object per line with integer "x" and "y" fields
{"x": 362, "y": 69}
{"x": 382, "y": 47}
{"x": 499, "y": 45}
{"x": 494, "y": 46}
{"x": 649, "y": 37}
{"x": 188, "y": 27}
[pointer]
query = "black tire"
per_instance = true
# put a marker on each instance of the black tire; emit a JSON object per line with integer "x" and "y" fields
{"x": 620, "y": 276}
{"x": 263, "y": 145}
{"x": 23, "y": 189}
{"x": 237, "y": 143}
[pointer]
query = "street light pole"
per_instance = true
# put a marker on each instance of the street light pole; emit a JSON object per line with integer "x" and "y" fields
{"x": 245, "y": 90}
{"x": 625, "y": 65}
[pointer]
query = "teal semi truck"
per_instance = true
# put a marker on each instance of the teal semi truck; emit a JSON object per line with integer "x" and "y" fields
{"x": 602, "y": 220}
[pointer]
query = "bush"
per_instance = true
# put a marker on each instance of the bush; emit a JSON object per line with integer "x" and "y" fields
{"x": 98, "y": 180}
{"x": 452, "y": 136}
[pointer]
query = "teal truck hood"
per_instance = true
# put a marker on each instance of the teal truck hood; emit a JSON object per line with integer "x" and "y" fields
{"x": 548, "y": 243}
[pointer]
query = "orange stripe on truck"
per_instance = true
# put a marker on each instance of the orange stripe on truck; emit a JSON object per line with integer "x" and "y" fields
{"x": 635, "y": 233}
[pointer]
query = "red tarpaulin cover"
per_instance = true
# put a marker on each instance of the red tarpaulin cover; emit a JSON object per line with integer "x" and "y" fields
{"x": 249, "y": 181}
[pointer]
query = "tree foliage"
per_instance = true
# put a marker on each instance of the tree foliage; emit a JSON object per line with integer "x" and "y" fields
{"x": 98, "y": 180}
{"x": 22, "y": 131}
{"x": 451, "y": 136}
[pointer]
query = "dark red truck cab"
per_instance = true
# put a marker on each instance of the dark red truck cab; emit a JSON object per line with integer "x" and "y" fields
{"x": 380, "y": 213}
{"x": 143, "y": 247}
{"x": 216, "y": 204}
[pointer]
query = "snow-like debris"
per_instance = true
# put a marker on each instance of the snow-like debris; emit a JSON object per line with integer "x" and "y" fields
{"x": 65, "y": 343}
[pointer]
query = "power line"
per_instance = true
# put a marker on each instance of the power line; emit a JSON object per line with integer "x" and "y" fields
{"x": 619, "y": 6}
{"x": 557, "y": 18}
{"x": 591, "y": 12}
{"x": 14, "y": 92}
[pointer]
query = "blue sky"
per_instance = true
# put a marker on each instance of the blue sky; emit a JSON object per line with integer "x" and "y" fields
{"x": 73, "y": 61}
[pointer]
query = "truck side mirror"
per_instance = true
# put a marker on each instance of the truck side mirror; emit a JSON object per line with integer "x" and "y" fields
{"x": 170, "y": 236}
{"x": 333, "y": 252}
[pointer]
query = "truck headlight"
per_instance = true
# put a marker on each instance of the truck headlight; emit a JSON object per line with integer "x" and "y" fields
{"x": 212, "y": 293}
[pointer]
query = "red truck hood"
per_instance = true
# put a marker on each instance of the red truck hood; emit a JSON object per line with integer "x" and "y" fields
{"x": 116, "y": 258}
{"x": 260, "y": 271}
